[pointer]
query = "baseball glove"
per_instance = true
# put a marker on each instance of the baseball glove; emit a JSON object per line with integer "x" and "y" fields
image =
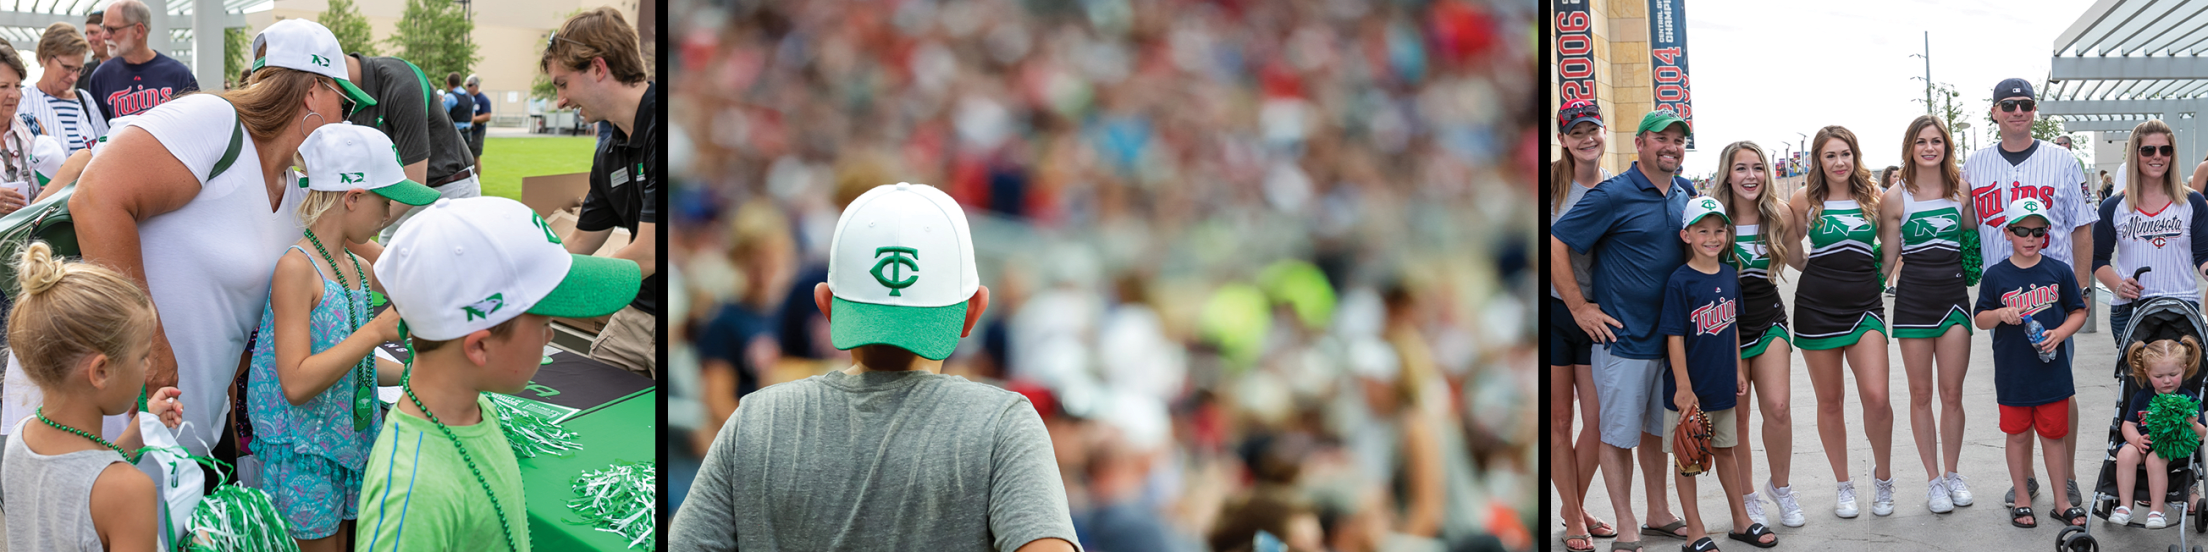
{"x": 1690, "y": 443}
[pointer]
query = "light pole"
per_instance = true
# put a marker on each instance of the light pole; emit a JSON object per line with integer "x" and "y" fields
{"x": 1927, "y": 56}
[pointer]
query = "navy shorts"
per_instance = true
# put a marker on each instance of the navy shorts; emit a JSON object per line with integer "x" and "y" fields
{"x": 1568, "y": 344}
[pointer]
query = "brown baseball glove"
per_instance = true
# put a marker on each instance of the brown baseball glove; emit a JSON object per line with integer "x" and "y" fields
{"x": 1690, "y": 443}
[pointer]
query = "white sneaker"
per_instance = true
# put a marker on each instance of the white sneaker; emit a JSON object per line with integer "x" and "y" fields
{"x": 1882, "y": 497}
{"x": 1957, "y": 492}
{"x": 2121, "y": 516}
{"x": 1936, "y": 496}
{"x": 1755, "y": 508}
{"x": 1846, "y": 504}
{"x": 2156, "y": 521}
{"x": 1790, "y": 512}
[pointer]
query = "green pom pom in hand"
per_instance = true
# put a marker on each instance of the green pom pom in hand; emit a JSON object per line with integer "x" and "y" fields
{"x": 2169, "y": 425}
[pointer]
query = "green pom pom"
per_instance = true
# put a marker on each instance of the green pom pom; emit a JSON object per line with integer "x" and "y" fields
{"x": 2169, "y": 425}
{"x": 620, "y": 499}
{"x": 531, "y": 432}
{"x": 239, "y": 519}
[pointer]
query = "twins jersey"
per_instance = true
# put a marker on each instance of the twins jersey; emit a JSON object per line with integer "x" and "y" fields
{"x": 2168, "y": 239}
{"x": 2050, "y": 174}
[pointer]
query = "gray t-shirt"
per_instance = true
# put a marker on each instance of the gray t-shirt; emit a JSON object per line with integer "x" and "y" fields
{"x": 1582, "y": 263}
{"x": 52, "y": 494}
{"x": 877, "y": 461}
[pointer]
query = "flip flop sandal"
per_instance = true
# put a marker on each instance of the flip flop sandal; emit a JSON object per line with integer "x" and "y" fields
{"x": 2074, "y": 513}
{"x": 1634, "y": 546}
{"x": 1676, "y": 529}
{"x": 1704, "y": 545}
{"x": 1590, "y": 543}
{"x": 1602, "y": 530}
{"x": 1754, "y": 536}
{"x": 2023, "y": 512}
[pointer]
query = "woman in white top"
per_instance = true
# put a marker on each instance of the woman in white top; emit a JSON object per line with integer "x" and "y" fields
{"x": 63, "y": 111}
{"x": 16, "y": 139}
{"x": 2145, "y": 225}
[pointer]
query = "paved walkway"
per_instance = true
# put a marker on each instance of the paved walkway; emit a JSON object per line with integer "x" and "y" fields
{"x": 1982, "y": 526}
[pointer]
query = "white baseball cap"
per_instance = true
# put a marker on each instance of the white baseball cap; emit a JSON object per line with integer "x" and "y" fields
{"x": 1702, "y": 207}
{"x": 901, "y": 266}
{"x": 47, "y": 156}
{"x": 2027, "y": 207}
{"x": 463, "y": 265}
{"x": 305, "y": 45}
{"x": 343, "y": 157}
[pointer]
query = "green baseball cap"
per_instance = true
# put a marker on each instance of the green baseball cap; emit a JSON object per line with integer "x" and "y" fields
{"x": 1661, "y": 119}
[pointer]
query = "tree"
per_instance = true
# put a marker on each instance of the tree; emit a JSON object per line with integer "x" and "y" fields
{"x": 1946, "y": 105}
{"x": 351, "y": 28}
{"x": 234, "y": 57}
{"x": 432, "y": 34}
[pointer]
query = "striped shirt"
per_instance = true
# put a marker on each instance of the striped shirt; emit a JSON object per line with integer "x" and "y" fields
{"x": 2164, "y": 239}
{"x": 418, "y": 494}
{"x": 2048, "y": 173}
{"x": 65, "y": 118}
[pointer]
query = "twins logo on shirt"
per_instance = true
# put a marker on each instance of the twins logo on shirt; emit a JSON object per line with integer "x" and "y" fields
{"x": 2030, "y": 301}
{"x": 1713, "y": 318}
{"x": 2155, "y": 231}
{"x": 1990, "y": 203}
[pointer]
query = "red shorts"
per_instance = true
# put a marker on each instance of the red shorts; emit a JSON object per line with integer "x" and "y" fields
{"x": 2051, "y": 419}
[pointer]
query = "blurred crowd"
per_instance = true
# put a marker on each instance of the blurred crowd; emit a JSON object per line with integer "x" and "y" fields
{"x": 1260, "y": 265}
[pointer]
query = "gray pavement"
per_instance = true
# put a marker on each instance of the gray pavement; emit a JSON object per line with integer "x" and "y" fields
{"x": 1982, "y": 526}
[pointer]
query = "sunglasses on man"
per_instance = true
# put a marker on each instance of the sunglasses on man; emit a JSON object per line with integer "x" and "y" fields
{"x": 2012, "y": 105}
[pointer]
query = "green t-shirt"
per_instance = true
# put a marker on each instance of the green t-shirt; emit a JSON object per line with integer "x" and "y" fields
{"x": 418, "y": 495}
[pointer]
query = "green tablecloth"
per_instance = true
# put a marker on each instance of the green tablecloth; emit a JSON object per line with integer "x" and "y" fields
{"x": 623, "y": 429}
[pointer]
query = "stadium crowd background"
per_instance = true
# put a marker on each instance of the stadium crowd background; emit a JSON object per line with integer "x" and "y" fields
{"x": 1258, "y": 264}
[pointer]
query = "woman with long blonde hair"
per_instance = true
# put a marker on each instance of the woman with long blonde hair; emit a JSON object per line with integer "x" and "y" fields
{"x": 1926, "y": 215}
{"x": 1571, "y": 374}
{"x": 1742, "y": 184}
{"x": 1839, "y": 313}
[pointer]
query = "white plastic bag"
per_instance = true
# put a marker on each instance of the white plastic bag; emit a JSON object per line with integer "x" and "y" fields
{"x": 176, "y": 478}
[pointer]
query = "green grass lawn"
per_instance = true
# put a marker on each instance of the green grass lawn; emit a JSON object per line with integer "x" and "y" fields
{"x": 507, "y": 160}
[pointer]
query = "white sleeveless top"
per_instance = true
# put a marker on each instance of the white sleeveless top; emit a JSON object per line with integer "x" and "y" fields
{"x": 52, "y": 494}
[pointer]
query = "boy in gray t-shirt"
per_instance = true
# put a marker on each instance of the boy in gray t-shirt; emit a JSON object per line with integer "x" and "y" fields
{"x": 887, "y": 454}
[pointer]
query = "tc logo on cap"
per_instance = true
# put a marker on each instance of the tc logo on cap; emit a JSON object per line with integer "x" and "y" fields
{"x": 897, "y": 257}
{"x": 2029, "y": 204}
{"x": 1708, "y": 203}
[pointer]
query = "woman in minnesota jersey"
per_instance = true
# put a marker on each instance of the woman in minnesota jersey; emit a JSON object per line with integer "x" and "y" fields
{"x": 1931, "y": 309}
{"x": 2160, "y": 229}
{"x": 1839, "y": 313}
{"x": 1765, "y": 347}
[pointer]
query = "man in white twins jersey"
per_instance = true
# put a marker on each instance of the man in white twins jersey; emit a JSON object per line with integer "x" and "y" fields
{"x": 2019, "y": 166}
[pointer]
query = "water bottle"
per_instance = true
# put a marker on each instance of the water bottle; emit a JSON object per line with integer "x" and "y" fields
{"x": 2038, "y": 334}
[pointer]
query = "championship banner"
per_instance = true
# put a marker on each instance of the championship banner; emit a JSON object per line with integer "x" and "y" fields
{"x": 1575, "y": 51}
{"x": 1667, "y": 48}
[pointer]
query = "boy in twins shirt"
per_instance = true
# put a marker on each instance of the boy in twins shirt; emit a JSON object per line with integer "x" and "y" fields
{"x": 2033, "y": 394}
{"x": 1702, "y": 343}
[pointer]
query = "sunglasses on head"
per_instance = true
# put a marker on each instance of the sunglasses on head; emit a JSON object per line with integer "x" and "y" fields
{"x": 2012, "y": 105}
{"x": 555, "y": 38}
{"x": 2164, "y": 151}
{"x": 2023, "y": 232}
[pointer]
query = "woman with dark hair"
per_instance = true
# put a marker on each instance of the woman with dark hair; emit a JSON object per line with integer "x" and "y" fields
{"x": 1572, "y": 461}
{"x": 1926, "y": 215}
{"x": 1838, "y": 313}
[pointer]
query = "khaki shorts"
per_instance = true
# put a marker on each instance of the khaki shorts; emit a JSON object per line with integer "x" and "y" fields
{"x": 629, "y": 342}
{"x": 1722, "y": 434}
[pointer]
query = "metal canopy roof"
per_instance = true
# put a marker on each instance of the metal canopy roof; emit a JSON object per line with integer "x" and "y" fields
{"x": 22, "y": 21}
{"x": 2125, "y": 61}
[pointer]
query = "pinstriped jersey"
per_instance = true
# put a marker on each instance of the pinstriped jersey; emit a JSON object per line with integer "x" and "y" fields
{"x": 2050, "y": 174}
{"x": 2168, "y": 239}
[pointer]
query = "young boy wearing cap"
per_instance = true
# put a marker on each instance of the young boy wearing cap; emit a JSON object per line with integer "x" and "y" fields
{"x": 2033, "y": 394}
{"x": 477, "y": 281}
{"x": 888, "y": 454}
{"x": 1700, "y": 301}
{"x": 313, "y": 376}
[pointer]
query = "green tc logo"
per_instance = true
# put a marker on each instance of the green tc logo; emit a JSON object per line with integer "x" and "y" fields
{"x": 539, "y": 221}
{"x": 485, "y": 307}
{"x": 898, "y": 256}
{"x": 319, "y": 60}
{"x": 350, "y": 178}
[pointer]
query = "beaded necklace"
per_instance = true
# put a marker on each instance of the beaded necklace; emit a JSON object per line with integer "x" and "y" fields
{"x": 133, "y": 458}
{"x": 407, "y": 382}
{"x": 364, "y": 371}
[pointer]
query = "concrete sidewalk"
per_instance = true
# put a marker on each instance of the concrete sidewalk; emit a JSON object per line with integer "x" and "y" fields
{"x": 1982, "y": 526}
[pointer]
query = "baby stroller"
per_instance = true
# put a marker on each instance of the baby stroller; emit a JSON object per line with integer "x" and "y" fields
{"x": 2152, "y": 319}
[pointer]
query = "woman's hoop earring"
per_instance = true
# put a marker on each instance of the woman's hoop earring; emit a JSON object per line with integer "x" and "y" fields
{"x": 303, "y": 122}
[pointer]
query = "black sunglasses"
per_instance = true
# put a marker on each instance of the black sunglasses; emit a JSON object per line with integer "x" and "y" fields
{"x": 2012, "y": 105}
{"x": 2164, "y": 151}
{"x": 2023, "y": 232}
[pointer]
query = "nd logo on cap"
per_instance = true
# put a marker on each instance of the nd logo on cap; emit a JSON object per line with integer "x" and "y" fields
{"x": 901, "y": 267}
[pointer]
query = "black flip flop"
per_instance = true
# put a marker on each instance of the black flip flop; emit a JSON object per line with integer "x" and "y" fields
{"x": 1754, "y": 536}
{"x": 2022, "y": 512}
{"x": 2073, "y": 513}
{"x": 1704, "y": 545}
{"x": 1676, "y": 529}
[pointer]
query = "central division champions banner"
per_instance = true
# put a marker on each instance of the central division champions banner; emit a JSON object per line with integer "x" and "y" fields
{"x": 1667, "y": 48}
{"x": 1575, "y": 51}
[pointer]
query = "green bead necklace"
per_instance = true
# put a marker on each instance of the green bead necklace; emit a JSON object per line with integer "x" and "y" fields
{"x": 407, "y": 382}
{"x": 364, "y": 371}
{"x": 133, "y": 458}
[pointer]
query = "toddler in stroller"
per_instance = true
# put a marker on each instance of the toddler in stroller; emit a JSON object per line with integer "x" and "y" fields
{"x": 2158, "y": 368}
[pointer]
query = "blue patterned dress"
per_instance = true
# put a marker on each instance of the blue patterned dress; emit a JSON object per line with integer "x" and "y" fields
{"x": 311, "y": 458}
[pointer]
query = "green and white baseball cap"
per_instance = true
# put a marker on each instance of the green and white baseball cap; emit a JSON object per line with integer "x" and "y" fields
{"x": 2028, "y": 207}
{"x": 344, "y": 157}
{"x": 901, "y": 267}
{"x": 47, "y": 156}
{"x": 1703, "y": 207}
{"x": 463, "y": 265}
{"x": 305, "y": 45}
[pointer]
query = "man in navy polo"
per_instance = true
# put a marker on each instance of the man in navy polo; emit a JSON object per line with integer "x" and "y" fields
{"x": 1631, "y": 223}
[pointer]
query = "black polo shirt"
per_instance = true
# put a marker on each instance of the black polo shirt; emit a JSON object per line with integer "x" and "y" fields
{"x": 402, "y": 112}
{"x": 624, "y": 186}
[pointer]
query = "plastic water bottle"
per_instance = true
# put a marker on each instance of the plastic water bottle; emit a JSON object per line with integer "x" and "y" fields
{"x": 2038, "y": 334}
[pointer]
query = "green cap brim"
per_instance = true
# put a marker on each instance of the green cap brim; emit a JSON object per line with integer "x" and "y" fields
{"x": 408, "y": 192}
{"x": 594, "y": 286}
{"x": 931, "y": 332}
{"x": 1660, "y": 123}
{"x": 354, "y": 92}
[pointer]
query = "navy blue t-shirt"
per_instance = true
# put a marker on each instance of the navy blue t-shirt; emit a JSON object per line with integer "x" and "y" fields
{"x": 728, "y": 336}
{"x": 2135, "y": 411}
{"x": 1700, "y": 308}
{"x": 124, "y": 88}
{"x": 2046, "y": 292}
{"x": 1634, "y": 234}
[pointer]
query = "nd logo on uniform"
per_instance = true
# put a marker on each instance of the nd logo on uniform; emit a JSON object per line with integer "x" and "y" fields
{"x": 898, "y": 257}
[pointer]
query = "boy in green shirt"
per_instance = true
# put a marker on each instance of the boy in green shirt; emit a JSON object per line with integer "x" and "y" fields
{"x": 476, "y": 280}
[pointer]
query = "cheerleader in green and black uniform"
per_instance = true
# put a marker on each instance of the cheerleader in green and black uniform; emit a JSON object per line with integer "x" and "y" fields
{"x": 1759, "y": 220}
{"x": 1839, "y": 314}
{"x": 1929, "y": 216}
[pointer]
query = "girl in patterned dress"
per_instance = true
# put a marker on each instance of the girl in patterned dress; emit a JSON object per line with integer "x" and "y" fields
{"x": 1839, "y": 313}
{"x": 1926, "y": 216}
{"x": 1743, "y": 187}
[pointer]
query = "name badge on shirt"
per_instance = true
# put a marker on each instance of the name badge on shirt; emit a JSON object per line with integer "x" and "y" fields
{"x": 620, "y": 176}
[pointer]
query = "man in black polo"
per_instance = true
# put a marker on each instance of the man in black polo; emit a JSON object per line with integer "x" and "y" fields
{"x": 408, "y": 111}
{"x": 594, "y": 65}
